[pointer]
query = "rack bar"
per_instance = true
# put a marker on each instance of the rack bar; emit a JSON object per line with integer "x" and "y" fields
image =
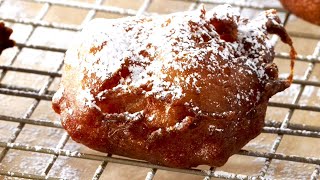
{"x": 75, "y": 154}
{"x": 89, "y": 6}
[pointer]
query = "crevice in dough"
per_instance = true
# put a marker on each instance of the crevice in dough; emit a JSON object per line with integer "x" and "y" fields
{"x": 227, "y": 29}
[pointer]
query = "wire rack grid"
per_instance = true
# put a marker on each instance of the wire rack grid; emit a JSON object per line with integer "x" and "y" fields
{"x": 38, "y": 93}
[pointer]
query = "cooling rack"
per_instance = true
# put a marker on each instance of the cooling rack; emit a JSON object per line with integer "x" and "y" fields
{"x": 293, "y": 116}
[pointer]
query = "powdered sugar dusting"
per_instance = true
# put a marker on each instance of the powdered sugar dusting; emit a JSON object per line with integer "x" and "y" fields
{"x": 151, "y": 48}
{"x": 58, "y": 95}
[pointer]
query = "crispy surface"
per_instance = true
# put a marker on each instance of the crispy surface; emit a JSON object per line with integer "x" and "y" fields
{"x": 308, "y": 10}
{"x": 178, "y": 90}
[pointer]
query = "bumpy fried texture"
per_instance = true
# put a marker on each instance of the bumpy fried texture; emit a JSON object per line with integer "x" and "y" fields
{"x": 5, "y": 33}
{"x": 308, "y": 10}
{"x": 178, "y": 90}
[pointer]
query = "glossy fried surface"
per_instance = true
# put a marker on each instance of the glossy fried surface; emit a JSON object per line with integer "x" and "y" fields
{"x": 178, "y": 90}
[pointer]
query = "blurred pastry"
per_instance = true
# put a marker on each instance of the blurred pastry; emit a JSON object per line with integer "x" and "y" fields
{"x": 308, "y": 10}
{"x": 5, "y": 41}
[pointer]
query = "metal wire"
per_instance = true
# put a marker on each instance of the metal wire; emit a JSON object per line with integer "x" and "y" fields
{"x": 43, "y": 94}
{"x": 27, "y": 114}
{"x": 288, "y": 117}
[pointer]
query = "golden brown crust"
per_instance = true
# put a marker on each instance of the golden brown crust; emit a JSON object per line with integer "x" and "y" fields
{"x": 5, "y": 41}
{"x": 193, "y": 90}
{"x": 308, "y": 10}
